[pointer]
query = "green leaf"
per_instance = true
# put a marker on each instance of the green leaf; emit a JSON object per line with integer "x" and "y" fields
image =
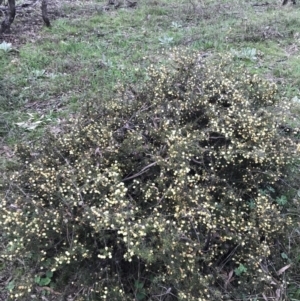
{"x": 251, "y": 204}
{"x": 282, "y": 200}
{"x": 284, "y": 256}
{"x": 37, "y": 279}
{"x": 262, "y": 192}
{"x": 10, "y": 286}
{"x": 240, "y": 270}
{"x": 2, "y": 266}
{"x": 47, "y": 262}
{"x": 49, "y": 274}
{"x": 44, "y": 281}
{"x": 140, "y": 295}
{"x": 6, "y": 47}
{"x": 138, "y": 285}
{"x": 271, "y": 189}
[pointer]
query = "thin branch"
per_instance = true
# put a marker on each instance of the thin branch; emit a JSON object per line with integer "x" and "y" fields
{"x": 140, "y": 172}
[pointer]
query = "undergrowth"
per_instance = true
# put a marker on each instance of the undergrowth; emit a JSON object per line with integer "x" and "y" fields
{"x": 169, "y": 191}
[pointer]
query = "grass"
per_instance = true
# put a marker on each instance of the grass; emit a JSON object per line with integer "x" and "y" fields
{"x": 86, "y": 55}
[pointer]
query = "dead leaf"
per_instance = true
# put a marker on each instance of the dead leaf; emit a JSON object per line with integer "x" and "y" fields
{"x": 39, "y": 289}
{"x": 278, "y": 294}
{"x": 7, "y": 151}
{"x": 229, "y": 279}
{"x": 264, "y": 296}
{"x": 230, "y": 275}
{"x": 98, "y": 152}
{"x": 282, "y": 270}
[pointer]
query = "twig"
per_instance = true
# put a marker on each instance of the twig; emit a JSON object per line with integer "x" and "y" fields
{"x": 26, "y": 195}
{"x": 229, "y": 256}
{"x": 168, "y": 291}
{"x": 140, "y": 172}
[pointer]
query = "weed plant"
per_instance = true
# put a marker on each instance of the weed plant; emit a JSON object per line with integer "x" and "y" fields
{"x": 160, "y": 193}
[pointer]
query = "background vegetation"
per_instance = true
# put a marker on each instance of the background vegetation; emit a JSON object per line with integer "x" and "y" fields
{"x": 94, "y": 63}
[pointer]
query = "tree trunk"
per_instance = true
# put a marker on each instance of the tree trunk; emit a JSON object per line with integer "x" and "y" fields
{"x": 286, "y": 1}
{"x": 5, "y": 26}
{"x": 45, "y": 13}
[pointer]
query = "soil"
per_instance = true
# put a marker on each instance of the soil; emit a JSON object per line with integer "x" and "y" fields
{"x": 28, "y": 23}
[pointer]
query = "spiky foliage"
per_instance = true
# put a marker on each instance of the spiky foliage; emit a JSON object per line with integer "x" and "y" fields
{"x": 159, "y": 194}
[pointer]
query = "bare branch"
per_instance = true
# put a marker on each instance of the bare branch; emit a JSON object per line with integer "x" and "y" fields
{"x": 140, "y": 172}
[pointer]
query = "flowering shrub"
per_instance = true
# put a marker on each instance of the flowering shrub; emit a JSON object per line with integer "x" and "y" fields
{"x": 159, "y": 194}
